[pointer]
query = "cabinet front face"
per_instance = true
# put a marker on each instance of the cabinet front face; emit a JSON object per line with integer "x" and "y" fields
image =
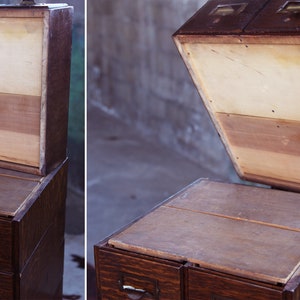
{"x": 5, "y": 246}
{"x": 6, "y": 286}
{"x": 210, "y": 286}
{"x": 121, "y": 275}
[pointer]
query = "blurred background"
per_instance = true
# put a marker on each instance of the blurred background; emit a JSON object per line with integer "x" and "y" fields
{"x": 148, "y": 133}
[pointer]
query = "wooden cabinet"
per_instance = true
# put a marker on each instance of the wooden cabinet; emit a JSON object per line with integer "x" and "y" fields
{"x": 210, "y": 241}
{"x": 32, "y": 222}
{"x": 230, "y": 241}
{"x": 35, "y": 55}
{"x": 206, "y": 284}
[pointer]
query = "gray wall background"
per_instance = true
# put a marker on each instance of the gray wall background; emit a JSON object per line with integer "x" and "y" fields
{"x": 136, "y": 74}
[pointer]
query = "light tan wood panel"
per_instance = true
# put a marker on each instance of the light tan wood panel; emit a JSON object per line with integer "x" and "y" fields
{"x": 21, "y": 53}
{"x": 264, "y": 148}
{"x": 250, "y": 79}
{"x": 20, "y": 129}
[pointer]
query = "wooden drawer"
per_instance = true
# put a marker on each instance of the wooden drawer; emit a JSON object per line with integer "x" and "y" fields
{"x": 125, "y": 275}
{"x": 6, "y": 286}
{"x": 203, "y": 284}
{"x": 244, "y": 58}
{"x": 34, "y": 87}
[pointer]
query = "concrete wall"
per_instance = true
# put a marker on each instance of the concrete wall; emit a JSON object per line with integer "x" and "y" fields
{"x": 136, "y": 74}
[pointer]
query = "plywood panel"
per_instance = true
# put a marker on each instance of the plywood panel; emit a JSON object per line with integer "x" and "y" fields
{"x": 250, "y": 79}
{"x": 264, "y": 147}
{"x": 21, "y": 54}
{"x": 20, "y": 129}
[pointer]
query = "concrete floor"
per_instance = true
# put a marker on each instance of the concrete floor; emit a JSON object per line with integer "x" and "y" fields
{"x": 127, "y": 176}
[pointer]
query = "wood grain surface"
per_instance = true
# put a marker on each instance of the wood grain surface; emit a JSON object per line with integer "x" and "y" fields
{"x": 265, "y": 149}
{"x": 34, "y": 92}
{"x": 160, "y": 279}
{"x": 205, "y": 285}
{"x": 228, "y": 244}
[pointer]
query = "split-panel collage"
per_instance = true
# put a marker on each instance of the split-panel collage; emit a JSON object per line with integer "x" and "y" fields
{"x": 149, "y": 149}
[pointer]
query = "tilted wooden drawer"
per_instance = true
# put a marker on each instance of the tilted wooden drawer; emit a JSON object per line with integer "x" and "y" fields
{"x": 234, "y": 241}
{"x": 35, "y": 56}
{"x": 244, "y": 58}
{"x": 32, "y": 222}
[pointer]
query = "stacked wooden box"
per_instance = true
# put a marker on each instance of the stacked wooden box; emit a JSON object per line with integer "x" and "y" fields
{"x": 217, "y": 240}
{"x": 35, "y": 54}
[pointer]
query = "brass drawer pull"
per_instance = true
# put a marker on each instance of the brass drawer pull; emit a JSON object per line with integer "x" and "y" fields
{"x": 138, "y": 287}
{"x": 228, "y": 9}
{"x": 135, "y": 292}
{"x": 291, "y": 7}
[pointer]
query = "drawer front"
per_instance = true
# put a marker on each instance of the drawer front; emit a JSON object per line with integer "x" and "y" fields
{"x": 210, "y": 286}
{"x": 124, "y": 276}
{"x": 5, "y": 246}
{"x": 222, "y": 16}
{"x": 6, "y": 286}
{"x": 278, "y": 16}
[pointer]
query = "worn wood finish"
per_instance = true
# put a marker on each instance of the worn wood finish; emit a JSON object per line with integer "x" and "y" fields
{"x": 238, "y": 202}
{"x": 34, "y": 101}
{"x": 22, "y": 49}
{"x": 58, "y": 87}
{"x": 47, "y": 260}
{"x": 250, "y": 68}
{"x": 125, "y": 275}
{"x": 32, "y": 233}
{"x": 42, "y": 208}
{"x": 222, "y": 16}
{"x": 292, "y": 289}
{"x": 15, "y": 188}
{"x": 218, "y": 241}
{"x": 234, "y": 242}
{"x": 6, "y": 286}
{"x": 265, "y": 149}
{"x": 277, "y": 17}
{"x": 259, "y": 76}
{"x": 6, "y": 245}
